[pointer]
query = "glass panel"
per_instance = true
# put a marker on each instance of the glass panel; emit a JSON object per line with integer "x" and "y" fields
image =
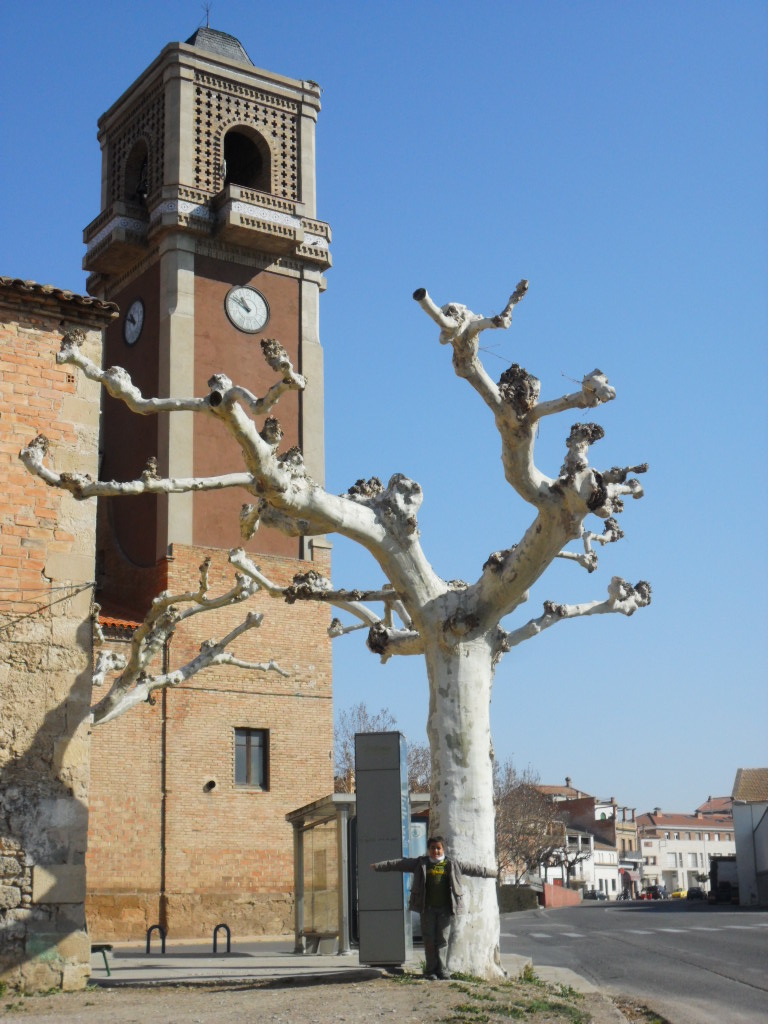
{"x": 321, "y": 874}
{"x": 241, "y": 764}
{"x": 257, "y": 759}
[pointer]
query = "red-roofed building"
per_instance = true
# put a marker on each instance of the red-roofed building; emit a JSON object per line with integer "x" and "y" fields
{"x": 677, "y": 848}
{"x": 716, "y": 805}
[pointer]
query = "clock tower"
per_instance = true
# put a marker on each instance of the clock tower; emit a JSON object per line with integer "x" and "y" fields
{"x": 208, "y": 241}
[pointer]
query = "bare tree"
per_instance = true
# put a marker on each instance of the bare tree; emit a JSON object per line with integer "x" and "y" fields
{"x": 351, "y": 721}
{"x": 359, "y": 719}
{"x": 454, "y": 625}
{"x": 528, "y": 831}
{"x": 569, "y": 854}
{"x": 419, "y": 767}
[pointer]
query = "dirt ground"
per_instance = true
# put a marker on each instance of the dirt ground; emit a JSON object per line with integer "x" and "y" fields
{"x": 410, "y": 1000}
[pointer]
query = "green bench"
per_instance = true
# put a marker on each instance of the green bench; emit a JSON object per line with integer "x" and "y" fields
{"x": 103, "y": 948}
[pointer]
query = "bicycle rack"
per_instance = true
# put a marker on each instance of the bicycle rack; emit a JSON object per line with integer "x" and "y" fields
{"x": 215, "y": 937}
{"x": 159, "y": 928}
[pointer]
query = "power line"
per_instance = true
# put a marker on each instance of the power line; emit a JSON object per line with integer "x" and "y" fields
{"x": 77, "y": 588}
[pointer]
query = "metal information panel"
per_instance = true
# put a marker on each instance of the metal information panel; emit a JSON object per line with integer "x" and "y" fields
{"x": 383, "y": 825}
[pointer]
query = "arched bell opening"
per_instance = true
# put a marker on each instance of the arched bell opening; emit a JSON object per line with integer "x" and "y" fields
{"x": 247, "y": 160}
{"x": 136, "y": 187}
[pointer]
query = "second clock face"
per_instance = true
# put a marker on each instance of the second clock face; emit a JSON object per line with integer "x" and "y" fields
{"x": 247, "y": 309}
{"x": 134, "y": 321}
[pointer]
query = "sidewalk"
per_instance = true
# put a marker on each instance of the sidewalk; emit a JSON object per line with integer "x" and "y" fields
{"x": 193, "y": 962}
{"x": 273, "y": 962}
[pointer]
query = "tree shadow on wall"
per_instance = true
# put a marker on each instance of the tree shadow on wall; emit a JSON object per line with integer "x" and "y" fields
{"x": 43, "y": 815}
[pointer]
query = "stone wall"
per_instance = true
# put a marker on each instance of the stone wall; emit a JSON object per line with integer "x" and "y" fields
{"x": 47, "y": 560}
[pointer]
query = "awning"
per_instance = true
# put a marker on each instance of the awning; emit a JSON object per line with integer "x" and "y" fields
{"x": 633, "y": 875}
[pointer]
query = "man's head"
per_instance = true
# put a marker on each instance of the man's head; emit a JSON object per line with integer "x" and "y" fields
{"x": 436, "y": 848}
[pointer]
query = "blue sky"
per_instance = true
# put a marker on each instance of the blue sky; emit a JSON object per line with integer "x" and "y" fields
{"x": 613, "y": 153}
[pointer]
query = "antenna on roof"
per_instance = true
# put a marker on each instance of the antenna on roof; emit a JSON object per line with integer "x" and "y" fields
{"x": 207, "y": 9}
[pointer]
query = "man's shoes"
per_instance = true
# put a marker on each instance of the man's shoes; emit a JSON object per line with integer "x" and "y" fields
{"x": 444, "y": 976}
{"x": 430, "y": 977}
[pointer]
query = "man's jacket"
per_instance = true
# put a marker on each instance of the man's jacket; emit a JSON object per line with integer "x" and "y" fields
{"x": 454, "y": 869}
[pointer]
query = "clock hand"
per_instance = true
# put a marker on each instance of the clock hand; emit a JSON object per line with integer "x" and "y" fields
{"x": 244, "y": 304}
{"x": 131, "y": 318}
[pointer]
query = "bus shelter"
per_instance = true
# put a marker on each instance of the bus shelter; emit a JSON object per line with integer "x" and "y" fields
{"x": 324, "y": 871}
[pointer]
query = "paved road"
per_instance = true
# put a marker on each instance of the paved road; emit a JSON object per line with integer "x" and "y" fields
{"x": 693, "y": 963}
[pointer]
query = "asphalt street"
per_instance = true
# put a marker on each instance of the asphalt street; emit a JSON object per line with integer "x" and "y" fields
{"x": 692, "y": 963}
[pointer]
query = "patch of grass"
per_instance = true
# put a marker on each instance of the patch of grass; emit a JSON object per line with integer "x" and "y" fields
{"x": 528, "y": 998}
{"x": 529, "y": 977}
{"x": 460, "y": 987}
{"x": 566, "y": 992}
{"x": 406, "y": 978}
{"x": 470, "y": 1012}
{"x": 511, "y": 1010}
{"x": 545, "y": 1005}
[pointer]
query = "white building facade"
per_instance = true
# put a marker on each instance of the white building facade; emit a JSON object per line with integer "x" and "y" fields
{"x": 676, "y": 848}
{"x": 750, "y": 820}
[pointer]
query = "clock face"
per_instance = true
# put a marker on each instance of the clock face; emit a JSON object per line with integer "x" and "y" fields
{"x": 134, "y": 321}
{"x": 247, "y": 309}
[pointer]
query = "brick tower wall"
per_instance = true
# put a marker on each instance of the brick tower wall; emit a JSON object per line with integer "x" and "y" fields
{"x": 183, "y": 852}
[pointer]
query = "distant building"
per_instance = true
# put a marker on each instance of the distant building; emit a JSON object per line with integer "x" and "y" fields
{"x": 750, "y": 821}
{"x": 716, "y": 805}
{"x": 558, "y": 793}
{"x": 616, "y": 850}
{"x": 676, "y": 848}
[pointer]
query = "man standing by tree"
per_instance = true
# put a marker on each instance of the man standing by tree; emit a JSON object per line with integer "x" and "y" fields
{"x": 437, "y": 895}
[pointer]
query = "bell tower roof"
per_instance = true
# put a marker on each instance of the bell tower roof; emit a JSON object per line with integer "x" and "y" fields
{"x": 220, "y": 43}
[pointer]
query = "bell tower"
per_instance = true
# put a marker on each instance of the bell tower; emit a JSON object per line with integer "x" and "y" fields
{"x": 208, "y": 242}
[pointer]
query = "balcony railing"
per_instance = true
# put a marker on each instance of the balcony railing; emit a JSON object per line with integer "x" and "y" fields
{"x": 121, "y": 234}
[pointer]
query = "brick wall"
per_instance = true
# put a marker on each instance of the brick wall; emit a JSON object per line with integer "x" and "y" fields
{"x": 164, "y": 845}
{"x": 46, "y": 569}
{"x": 559, "y": 896}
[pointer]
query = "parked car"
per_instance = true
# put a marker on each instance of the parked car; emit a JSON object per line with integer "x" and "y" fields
{"x": 593, "y": 894}
{"x": 679, "y": 894}
{"x": 654, "y": 892}
{"x": 695, "y": 893}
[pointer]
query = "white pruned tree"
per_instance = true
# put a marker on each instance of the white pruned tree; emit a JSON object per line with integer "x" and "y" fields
{"x": 455, "y": 626}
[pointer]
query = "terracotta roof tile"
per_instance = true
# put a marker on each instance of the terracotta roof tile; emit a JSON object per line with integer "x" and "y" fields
{"x": 690, "y": 822}
{"x": 716, "y": 805}
{"x": 751, "y": 785}
{"x": 31, "y": 291}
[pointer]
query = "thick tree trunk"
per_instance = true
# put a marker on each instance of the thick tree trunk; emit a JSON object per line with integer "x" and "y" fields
{"x": 462, "y": 810}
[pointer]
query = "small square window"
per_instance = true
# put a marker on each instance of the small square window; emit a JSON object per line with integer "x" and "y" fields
{"x": 252, "y": 758}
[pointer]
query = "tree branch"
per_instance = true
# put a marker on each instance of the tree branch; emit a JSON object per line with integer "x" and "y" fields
{"x": 622, "y": 598}
{"x": 82, "y": 486}
{"x": 515, "y": 400}
{"x": 136, "y": 681}
{"x": 383, "y": 637}
{"x": 588, "y": 558}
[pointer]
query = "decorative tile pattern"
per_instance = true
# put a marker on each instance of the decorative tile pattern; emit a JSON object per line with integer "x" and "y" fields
{"x": 219, "y": 105}
{"x": 144, "y": 121}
